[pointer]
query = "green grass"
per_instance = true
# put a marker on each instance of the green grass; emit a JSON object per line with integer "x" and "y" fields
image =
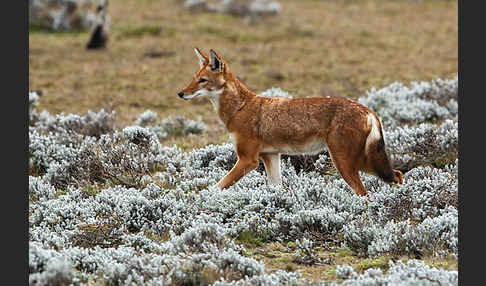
{"x": 59, "y": 193}
{"x": 380, "y": 263}
{"x": 90, "y": 191}
{"x": 247, "y": 238}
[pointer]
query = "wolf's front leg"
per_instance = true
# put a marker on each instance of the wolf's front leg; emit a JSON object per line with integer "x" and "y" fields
{"x": 241, "y": 168}
{"x": 272, "y": 168}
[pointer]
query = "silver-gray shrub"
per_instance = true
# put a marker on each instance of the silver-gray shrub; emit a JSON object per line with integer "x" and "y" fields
{"x": 62, "y": 15}
{"x": 72, "y": 159}
{"x": 57, "y": 141}
{"x": 250, "y": 9}
{"x": 90, "y": 124}
{"x": 413, "y": 272}
{"x": 433, "y": 236}
{"x": 78, "y": 150}
{"x": 40, "y": 190}
{"x": 179, "y": 126}
{"x": 275, "y": 92}
{"x": 411, "y": 146}
{"x": 171, "y": 126}
{"x": 146, "y": 118}
{"x": 276, "y": 278}
{"x": 49, "y": 148}
{"x": 145, "y": 261}
{"x": 201, "y": 221}
{"x": 33, "y": 102}
{"x": 81, "y": 150}
{"x": 345, "y": 272}
{"x": 397, "y": 104}
{"x": 211, "y": 157}
{"x": 395, "y": 218}
{"x": 425, "y": 193}
{"x": 265, "y": 7}
{"x": 48, "y": 267}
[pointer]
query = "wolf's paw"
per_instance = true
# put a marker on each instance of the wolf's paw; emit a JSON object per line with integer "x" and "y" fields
{"x": 215, "y": 188}
{"x": 398, "y": 177}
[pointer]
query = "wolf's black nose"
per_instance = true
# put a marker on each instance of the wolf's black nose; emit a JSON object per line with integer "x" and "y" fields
{"x": 180, "y": 94}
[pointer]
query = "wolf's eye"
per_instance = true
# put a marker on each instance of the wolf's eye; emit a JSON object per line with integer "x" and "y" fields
{"x": 202, "y": 80}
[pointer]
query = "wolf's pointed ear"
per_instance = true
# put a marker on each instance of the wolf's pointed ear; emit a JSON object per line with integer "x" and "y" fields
{"x": 203, "y": 58}
{"x": 216, "y": 62}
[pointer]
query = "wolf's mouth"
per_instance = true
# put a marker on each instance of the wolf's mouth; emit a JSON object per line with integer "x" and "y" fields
{"x": 187, "y": 97}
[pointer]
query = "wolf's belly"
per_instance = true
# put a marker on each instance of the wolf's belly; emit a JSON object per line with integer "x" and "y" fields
{"x": 310, "y": 147}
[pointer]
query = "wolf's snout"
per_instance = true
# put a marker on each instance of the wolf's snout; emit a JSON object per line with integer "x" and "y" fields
{"x": 180, "y": 94}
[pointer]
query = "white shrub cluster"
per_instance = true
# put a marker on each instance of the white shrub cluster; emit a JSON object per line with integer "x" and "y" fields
{"x": 249, "y": 9}
{"x": 311, "y": 205}
{"x": 140, "y": 260}
{"x": 33, "y": 102}
{"x": 277, "y": 278}
{"x": 170, "y": 127}
{"x": 414, "y": 272}
{"x": 148, "y": 117}
{"x": 410, "y": 146}
{"x": 79, "y": 150}
{"x": 90, "y": 124}
{"x": 40, "y": 190}
{"x": 62, "y": 15}
{"x": 275, "y": 92}
{"x": 122, "y": 208}
{"x": 397, "y": 104}
{"x": 48, "y": 267}
{"x": 179, "y": 126}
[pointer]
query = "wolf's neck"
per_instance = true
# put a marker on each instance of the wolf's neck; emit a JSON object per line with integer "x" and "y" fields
{"x": 233, "y": 99}
{"x": 242, "y": 89}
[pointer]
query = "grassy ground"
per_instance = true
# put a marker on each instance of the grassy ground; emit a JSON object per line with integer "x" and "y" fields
{"x": 312, "y": 48}
{"x": 278, "y": 256}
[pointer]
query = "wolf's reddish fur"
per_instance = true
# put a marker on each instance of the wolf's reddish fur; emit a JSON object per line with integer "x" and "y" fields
{"x": 267, "y": 127}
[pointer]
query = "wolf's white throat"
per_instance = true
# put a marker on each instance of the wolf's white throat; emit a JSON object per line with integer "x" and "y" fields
{"x": 213, "y": 96}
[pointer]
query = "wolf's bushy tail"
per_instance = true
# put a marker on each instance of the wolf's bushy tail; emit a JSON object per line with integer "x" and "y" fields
{"x": 376, "y": 153}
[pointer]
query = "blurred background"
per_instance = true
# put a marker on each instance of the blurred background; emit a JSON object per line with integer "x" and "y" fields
{"x": 143, "y": 53}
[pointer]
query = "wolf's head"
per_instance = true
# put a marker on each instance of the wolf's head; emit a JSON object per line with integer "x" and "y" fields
{"x": 210, "y": 80}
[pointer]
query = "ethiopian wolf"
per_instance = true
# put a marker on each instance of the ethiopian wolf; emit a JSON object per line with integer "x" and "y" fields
{"x": 267, "y": 127}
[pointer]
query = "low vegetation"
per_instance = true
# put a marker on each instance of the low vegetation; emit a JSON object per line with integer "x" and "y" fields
{"x": 120, "y": 207}
{"x": 121, "y": 169}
